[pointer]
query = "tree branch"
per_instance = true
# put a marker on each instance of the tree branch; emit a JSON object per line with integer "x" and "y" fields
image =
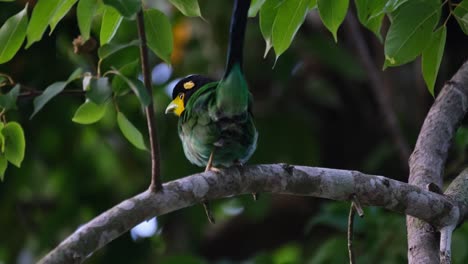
{"x": 278, "y": 178}
{"x": 428, "y": 159}
{"x": 149, "y": 110}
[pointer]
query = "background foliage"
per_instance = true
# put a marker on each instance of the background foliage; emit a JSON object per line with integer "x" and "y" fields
{"x": 315, "y": 107}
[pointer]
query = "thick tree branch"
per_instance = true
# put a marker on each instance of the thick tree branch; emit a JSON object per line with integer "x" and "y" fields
{"x": 149, "y": 110}
{"x": 280, "y": 178}
{"x": 428, "y": 159}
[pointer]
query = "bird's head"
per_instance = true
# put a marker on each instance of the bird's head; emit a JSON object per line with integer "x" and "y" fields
{"x": 183, "y": 90}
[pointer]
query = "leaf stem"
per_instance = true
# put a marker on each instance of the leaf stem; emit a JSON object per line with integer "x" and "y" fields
{"x": 149, "y": 110}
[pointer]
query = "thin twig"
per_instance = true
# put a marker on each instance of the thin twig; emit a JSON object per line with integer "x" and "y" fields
{"x": 357, "y": 205}
{"x": 376, "y": 83}
{"x": 149, "y": 110}
{"x": 35, "y": 93}
{"x": 352, "y": 210}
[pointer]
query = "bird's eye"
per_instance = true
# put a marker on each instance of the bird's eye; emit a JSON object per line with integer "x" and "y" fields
{"x": 181, "y": 96}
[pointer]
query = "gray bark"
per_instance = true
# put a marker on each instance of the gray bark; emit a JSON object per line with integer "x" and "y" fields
{"x": 332, "y": 184}
{"x": 428, "y": 160}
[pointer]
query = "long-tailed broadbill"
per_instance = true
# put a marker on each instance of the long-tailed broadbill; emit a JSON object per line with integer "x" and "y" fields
{"x": 216, "y": 125}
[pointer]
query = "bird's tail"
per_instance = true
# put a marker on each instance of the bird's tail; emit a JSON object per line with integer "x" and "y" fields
{"x": 232, "y": 94}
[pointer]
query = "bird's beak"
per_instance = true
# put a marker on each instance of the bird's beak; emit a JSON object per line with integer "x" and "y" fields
{"x": 171, "y": 107}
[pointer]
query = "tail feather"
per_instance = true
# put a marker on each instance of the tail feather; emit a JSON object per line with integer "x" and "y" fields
{"x": 232, "y": 93}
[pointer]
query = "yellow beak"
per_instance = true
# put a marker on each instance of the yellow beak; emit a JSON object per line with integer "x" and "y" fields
{"x": 175, "y": 107}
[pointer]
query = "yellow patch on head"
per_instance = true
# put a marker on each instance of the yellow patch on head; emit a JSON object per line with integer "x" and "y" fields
{"x": 189, "y": 85}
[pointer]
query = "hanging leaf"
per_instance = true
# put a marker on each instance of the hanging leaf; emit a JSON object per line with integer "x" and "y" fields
{"x": 62, "y": 9}
{"x": 41, "y": 15}
{"x": 8, "y": 101}
{"x": 408, "y": 34}
{"x": 85, "y": 13}
{"x": 130, "y": 71}
{"x": 127, "y": 8}
{"x": 12, "y": 35}
{"x": 370, "y": 14}
{"x": 189, "y": 8}
{"x": 461, "y": 15}
{"x": 130, "y": 132}
{"x": 99, "y": 90}
{"x": 255, "y": 7}
{"x": 52, "y": 90}
{"x": 111, "y": 20}
{"x": 89, "y": 113}
{"x": 432, "y": 57}
{"x": 333, "y": 14}
{"x": 267, "y": 18}
{"x": 159, "y": 34}
{"x": 15, "y": 143}
{"x": 138, "y": 88}
{"x": 289, "y": 18}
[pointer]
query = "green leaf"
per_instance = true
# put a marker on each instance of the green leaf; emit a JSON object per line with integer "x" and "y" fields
{"x": 7, "y": 0}
{"x": 432, "y": 57}
{"x": 189, "y": 8}
{"x": 130, "y": 70}
{"x": 12, "y": 35}
{"x": 138, "y": 88}
{"x": 461, "y": 14}
{"x": 85, "y": 13}
{"x": 52, "y": 90}
{"x": 109, "y": 49}
{"x": 255, "y": 7}
{"x": 313, "y": 4}
{"x": 99, "y": 90}
{"x": 370, "y": 14}
{"x": 267, "y": 18}
{"x": 333, "y": 13}
{"x": 8, "y": 101}
{"x": 89, "y": 113}
{"x": 62, "y": 9}
{"x": 127, "y": 8}
{"x": 110, "y": 23}
{"x": 159, "y": 34}
{"x": 41, "y": 15}
{"x": 3, "y": 166}
{"x": 289, "y": 18}
{"x": 408, "y": 34}
{"x": 130, "y": 132}
{"x": 15, "y": 143}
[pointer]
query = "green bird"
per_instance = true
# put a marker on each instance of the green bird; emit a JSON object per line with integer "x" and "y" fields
{"x": 216, "y": 125}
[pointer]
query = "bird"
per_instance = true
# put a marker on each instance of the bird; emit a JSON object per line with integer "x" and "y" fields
{"x": 216, "y": 125}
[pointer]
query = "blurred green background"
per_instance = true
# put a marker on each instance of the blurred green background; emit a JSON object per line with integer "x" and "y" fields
{"x": 315, "y": 108}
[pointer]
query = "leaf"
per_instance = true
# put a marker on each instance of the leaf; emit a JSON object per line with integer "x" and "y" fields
{"x": 189, "y": 8}
{"x": 8, "y": 101}
{"x": 461, "y": 15}
{"x": 138, "y": 88}
{"x": 12, "y": 35}
{"x": 127, "y": 8}
{"x": 289, "y": 18}
{"x": 267, "y": 18}
{"x": 41, "y": 15}
{"x": 130, "y": 132}
{"x": 313, "y": 4}
{"x": 110, "y": 23}
{"x": 370, "y": 14}
{"x": 3, "y": 166}
{"x": 332, "y": 13}
{"x": 408, "y": 33}
{"x": 255, "y": 7}
{"x": 432, "y": 57}
{"x": 85, "y": 13}
{"x": 62, "y": 9}
{"x": 130, "y": 70}
{"x": 109, "y": 49}
{"x": 99, "y": 90}
{"x": 159, "y": 34}
{"x": 89, "y": 113}
{"x": 52, "y": 90}
{"x": 15, "y": 143}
